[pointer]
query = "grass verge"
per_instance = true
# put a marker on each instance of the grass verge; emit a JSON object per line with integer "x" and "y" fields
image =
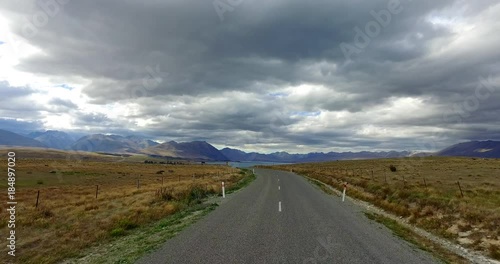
{"x": 143, "y": 240}
{"x": 416, "y": 239}
{"x": 248, "y": 177}
{"x": 322, "y": 186}
{"x": 129, "y": 246}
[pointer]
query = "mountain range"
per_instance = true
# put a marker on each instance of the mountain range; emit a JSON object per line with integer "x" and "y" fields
{"x": 238, "y": 155}
{"x": 197, "y": 150}
{"x": 53, "y": 139}
{"x": 112, "y": 143}
{"x": 482, "y": 149}
{"x": 201, "y": 150}
{"x": 8, "y": 138}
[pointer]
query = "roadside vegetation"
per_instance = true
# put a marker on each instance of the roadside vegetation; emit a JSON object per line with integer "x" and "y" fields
{"x": 421, "y": 242}
{"x": 455, "y": 198}
{"x": 130, "y": 195}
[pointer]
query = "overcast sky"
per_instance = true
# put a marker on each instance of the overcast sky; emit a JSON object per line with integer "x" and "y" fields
{"x": 292, "y": 75}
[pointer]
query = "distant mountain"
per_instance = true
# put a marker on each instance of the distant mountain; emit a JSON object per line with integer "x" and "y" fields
{"x": 483, "y": 149}
{"x": 35, "y": 134}
{"x": 238, "y": 155}
{"x": 54, "y": 139}
{"x": 12, "y": 139}
{"x": 197, "y": 150}
{"x": 106, "y": 143}
{"x": 141, "y": 142}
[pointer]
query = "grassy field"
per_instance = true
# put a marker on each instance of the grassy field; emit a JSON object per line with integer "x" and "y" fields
{"x": 425, "y": 191}
{"x": 130, "y": 194}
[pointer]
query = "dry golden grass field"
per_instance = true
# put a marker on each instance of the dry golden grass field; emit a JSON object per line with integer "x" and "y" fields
{"x": 426, "y": 192}
{"x": 70, "y": 218}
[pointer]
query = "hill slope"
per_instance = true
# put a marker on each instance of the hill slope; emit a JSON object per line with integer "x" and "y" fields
{"x": 55, "y": 139}
{"x": 12, "y": 139}
{"x": 106, "y": 143}
{"x": 141, "y": 142}
{"x": 483, "y": 149}
{"x": 199, "y": 150}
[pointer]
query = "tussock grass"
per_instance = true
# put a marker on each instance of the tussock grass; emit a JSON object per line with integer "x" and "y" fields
{"x": 419, "y": 241}
{"x": 69, "y": 218}
{"x": 425, "y": 191}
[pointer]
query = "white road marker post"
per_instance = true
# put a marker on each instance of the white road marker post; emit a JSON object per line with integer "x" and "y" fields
{"x": 343, "y": 193}
{"x": 223, "y": 191}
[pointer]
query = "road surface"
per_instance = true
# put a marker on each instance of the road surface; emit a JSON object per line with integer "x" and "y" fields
{"x": 282, "y": 218}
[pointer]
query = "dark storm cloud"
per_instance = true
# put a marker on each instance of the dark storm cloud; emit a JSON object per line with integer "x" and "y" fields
{"x": 192, "y": 74}
{"x": 92, "y": 118}
{"x": 264, "y": 41}
{"x": 19, "y": 126}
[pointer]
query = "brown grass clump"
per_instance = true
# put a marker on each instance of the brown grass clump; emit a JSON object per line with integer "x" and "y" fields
{"x": 426, "y": 192}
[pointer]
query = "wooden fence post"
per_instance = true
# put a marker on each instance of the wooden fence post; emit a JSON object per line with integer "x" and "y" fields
{"x": 37, "y": 196}
{"x": 460, "y": 188}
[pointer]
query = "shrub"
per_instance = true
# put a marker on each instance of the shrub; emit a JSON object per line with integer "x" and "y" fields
{"x": 196, "y": 193}
{"x": 167, "y": 194}
{"x": 117, "y": 232}
{"x": 126, "y": 224}
{"x": 495, "y": 252}
{"x": 392, "y": 168}
{"x": 46, "y": 213}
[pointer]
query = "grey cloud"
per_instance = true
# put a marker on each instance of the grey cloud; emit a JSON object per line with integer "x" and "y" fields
{"x": 265, "y": 47}
{"x": 19, "y": 126}
{"x": 9, "y": 92}
{"x": 64, "y": 104}
{"x": 16, "y": 104}
{"x": 92, "y": 118}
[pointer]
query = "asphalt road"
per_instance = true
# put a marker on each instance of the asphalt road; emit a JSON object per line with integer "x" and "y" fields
{"x": 312, "y": 227}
